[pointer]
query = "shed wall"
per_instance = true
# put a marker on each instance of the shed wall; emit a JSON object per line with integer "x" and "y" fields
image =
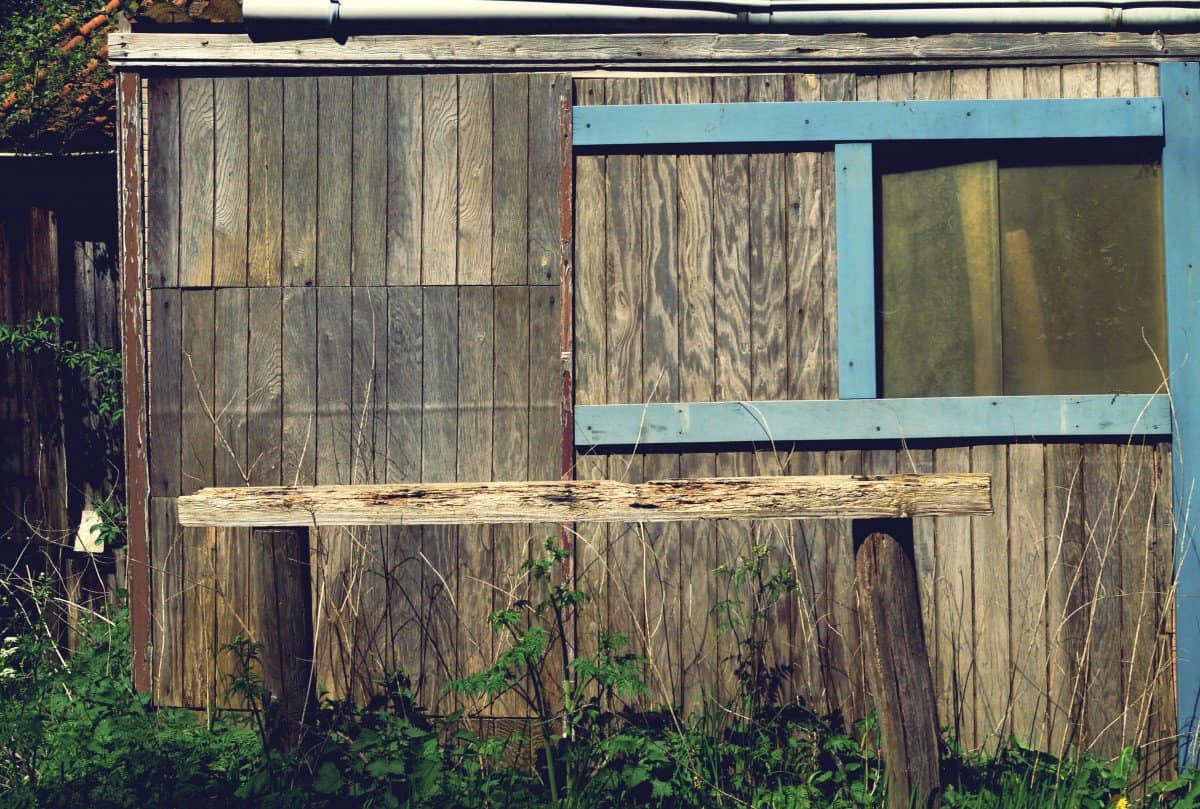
{"x": 339, "y": 294}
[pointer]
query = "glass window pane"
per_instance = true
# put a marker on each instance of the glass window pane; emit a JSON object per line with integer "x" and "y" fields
{"x": 939, "y": 292}
{"x": 1081, "y": 278}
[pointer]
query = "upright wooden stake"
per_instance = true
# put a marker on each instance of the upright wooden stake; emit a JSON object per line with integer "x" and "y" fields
{"x": 283, "y": 618}
{"x": 898, "y": 675}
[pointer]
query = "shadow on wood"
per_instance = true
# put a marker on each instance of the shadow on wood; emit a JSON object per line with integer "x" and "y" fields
{"x": 898, "y": 674}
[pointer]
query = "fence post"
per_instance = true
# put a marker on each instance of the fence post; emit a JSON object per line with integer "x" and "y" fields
{"x": 282, "y": 582}
{"x": 898, "y": 674}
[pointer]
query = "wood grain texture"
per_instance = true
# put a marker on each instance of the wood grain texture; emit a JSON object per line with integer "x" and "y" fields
{"x": 510, "y": 178}
{"x": 439, "y": 215}
{"x": 368, "y": 191}
{"x": 166, "y": 395}
{"x": 405, "y": 155}
{"x": 162, "y": 184}
{"x": 301, "y": 180}
{"x": 231, "y": 330}
{"x": 475, "y": 134}
{"x": 1028, "y": 590}
{"x": 298, "y": 371}
{"x": 335, "y": 173}
{"x": 650, "y": 50}
{"x": 428, "y": 503}
{"x": 266, "y": 186}
{"x": 264, "y": 388}
{"x": 544, "y": 128}
{"x": 231, "y": 159}
{"x": 955, "y": 594}
{"x": 166, "y": 581}
{"x": 1102, "y": 518}
{"x": 1065, "y": 613}
{"x": 196, "y": 390}
{"x": 196, "y": 182}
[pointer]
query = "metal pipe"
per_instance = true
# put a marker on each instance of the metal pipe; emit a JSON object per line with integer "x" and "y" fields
{"x": 357, "y": 15}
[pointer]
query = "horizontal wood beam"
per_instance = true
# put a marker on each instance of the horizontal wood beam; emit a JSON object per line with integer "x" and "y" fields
{"x": 643, "y": 51}
{"x": 824, "y": 496}
{"x": 839, "y": 121}
{"x": 777, "y": 422}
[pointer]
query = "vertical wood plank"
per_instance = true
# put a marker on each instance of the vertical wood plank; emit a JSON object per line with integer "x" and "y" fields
{"x": 231, "y": 149}
{"x": 301, "y": 180}
{"x": 624, "y": 349}
{"x": 955, "y": 614}
{"x": 335, "y": 172}
{"x": 439, "y": 217}
{"x": 439, "y": 437}
{"x": 591, "y": 361}
{"x": 475, "y": 179}
{"x": 989, "y": 561}
{"x": 696, "y": 383}
{"x": 334, "y": 421}
{"x": 405, "y": 352}
{"x": 660, "y": 383}
{"x": 163, "y": 184}
{"x": 298, "y": 370}
{"x": 1028, "y": 591}
{"x": 1138, "y": 579}
{"x": 264, "y": 389}
{"x": 544, "y": 126}
{"x": 166, "y": 347}
{"x": 196, "y": 182}
{"x": 197, "y": 391}
{"x": 1066, "y": 618}
{"x": 368, "y": 411}
{"x": 510, "y": 178}
{"x": 511, "y": 448}
{"x": 199, "y": 618}
{"x": 166, "y": 580}
{"x": 476, "y": 407}
{"x": 368, "y": 260}
{"x": 405, "y": 164}
{"x": 266, "y": 193}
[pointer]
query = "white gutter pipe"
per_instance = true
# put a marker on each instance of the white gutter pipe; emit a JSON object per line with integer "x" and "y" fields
{"x": 343, "y": 16}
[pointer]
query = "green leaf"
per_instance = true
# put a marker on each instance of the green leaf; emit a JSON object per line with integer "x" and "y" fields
{"x": 328, "y": 780}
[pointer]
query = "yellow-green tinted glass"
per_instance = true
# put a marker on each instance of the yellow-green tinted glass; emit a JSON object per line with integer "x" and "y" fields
{"x": 1082, "y": 278}
{"x": 939, "y": 294}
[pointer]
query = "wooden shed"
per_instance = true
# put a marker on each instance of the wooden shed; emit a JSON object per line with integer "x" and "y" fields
{"x": 644, "y": 254}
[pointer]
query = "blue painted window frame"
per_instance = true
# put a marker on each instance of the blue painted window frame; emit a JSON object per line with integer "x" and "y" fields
{"x": 1173, "y": 116}
{"x": 853, "y": 127}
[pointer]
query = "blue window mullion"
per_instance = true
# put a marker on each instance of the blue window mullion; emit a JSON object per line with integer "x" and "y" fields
{"x": 855, "y": 270}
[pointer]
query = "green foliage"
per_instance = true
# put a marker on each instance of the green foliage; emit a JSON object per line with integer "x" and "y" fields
{"x": 72, "y": 732}
{"x": 101, "y": 366}
{"x": 41, "y": 84}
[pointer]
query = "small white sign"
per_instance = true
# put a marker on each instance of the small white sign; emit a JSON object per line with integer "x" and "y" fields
{"x": 88, "y": 538}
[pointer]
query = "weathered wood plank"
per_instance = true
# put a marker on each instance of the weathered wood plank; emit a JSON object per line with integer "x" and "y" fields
{"x": 335, "y": 173}
{"x": 264, "y": 388}
{"x": 196, "y": 392}
{"x": 266, "y": 191}
{"x": 299, "y": 394}
{"x": 439, "y": 447}
{"x": 301, "y": 180}
{"x": 163, "y": 184}
{"x": 429, "y": 503}
{"x": 166, "y": 581}
{"x": 230, "y": 355}
{"x": 368, "y": 191}
{"x": 231, "y": 157}
{"x": 368, "y": 371}
{"x": 544, "y": 128}
{"x": 696, "y": 382}
{"x": 1138, "y": 581}
{"x": 404, "y": 425}
{"x": 511, "y": 445}
{"x": 475, "y": 179}
{"x": 166, "y": 346}
{"x": 955, "y": 614}
{"x": 476, "y": 408}
{"x": 1028, "y": 591}
{"x": 439, "y": 216}
{"x": 646, "y": 50}
{"x": 334, "y": 422}
{"x": 1065, "y": 612}
{"x": 510, "y": 178}
{"x": 196, "y": 182}
{"x": 404, "y": 167}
